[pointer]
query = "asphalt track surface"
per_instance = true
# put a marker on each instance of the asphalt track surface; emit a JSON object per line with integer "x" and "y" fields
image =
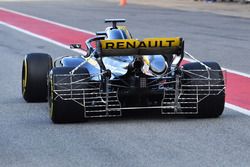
{"x": 28, "y": 138}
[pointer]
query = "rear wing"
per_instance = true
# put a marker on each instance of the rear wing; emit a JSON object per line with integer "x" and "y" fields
{"x": 147, "y": 46}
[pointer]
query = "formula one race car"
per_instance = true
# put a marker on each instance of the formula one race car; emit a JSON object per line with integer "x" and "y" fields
{"x": 119, "y": 73}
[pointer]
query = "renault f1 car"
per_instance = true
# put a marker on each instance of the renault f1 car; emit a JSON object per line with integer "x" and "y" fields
{"x": 119, "y": 73}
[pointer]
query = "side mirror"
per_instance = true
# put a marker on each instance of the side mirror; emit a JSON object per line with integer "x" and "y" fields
{"x": 75, "y": 46}
{"x": 101, "y": 33}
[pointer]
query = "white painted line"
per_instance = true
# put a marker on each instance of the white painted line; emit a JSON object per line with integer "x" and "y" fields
{"x": 237, "y": 72}
{"x": 48, "y": 21}
{"x": 42, "y": 37}
{"x": 237, "y": 108}
{"x": 228, "y": 105}
{"x": 226, "y": 69}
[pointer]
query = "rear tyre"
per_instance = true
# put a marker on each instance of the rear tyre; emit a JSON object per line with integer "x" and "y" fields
{"x": 35, "y": 69}
{"x": 61, "y": 109}
{"x": 211, "y": 106}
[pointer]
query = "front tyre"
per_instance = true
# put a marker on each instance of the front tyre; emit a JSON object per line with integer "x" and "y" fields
{"x": 35, "y": 69}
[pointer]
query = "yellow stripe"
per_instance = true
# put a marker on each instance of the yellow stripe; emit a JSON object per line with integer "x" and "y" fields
{"x": 25, "y": 73}
{"x": 125, "y": 29}
{"x": 25, "y": 76}
{"x": 135, "y": 43}
{"x": 162, "y": 42}
{"x": 146, "y": 60}
{"x": 119, "y": 43}
{"x": 92, "y": 61}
